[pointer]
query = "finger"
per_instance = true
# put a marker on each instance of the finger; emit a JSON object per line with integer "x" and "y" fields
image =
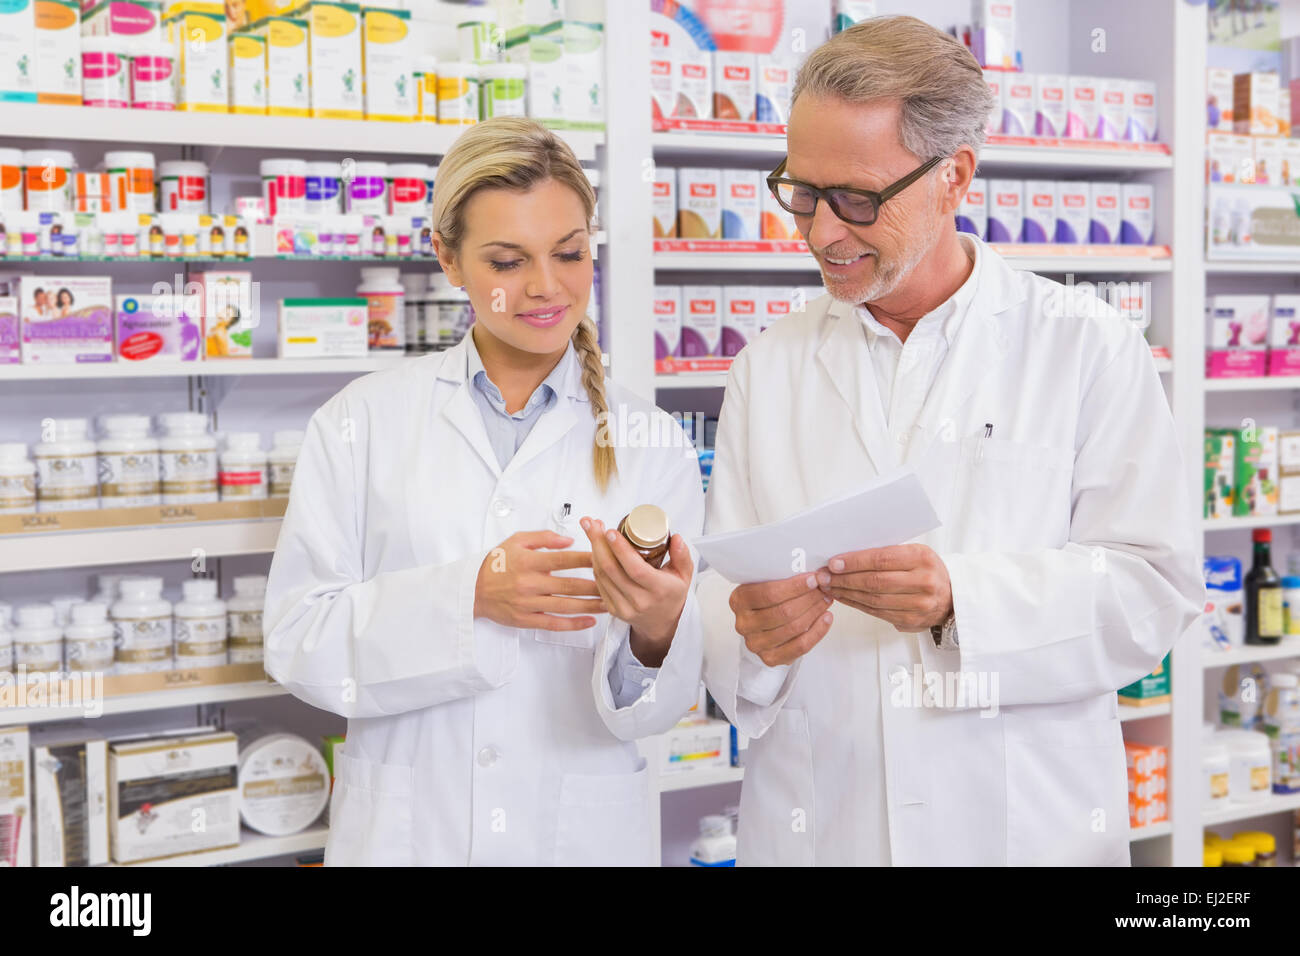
{"x": 769, "y": 640}
{"x": 884, "y": 582}
{"x": 895, "y": 557}
{"x": 907, "y": 622}
{"x": 773, "y": 618}
{"x": 792, "y": 650}
{"x": 604, "y": 563}
{"x": 885, "y": 602}
{"x": 680, "y": 562}
{"x": 560, "y": 560}
{"x": 634, "y": 566}
{"x": 571, "y": 586}
{"x": 566, "y": 605}
{"x": 753, "y": 597}
{"x": 541, "y": 539}
{"x": 549, "y": 622}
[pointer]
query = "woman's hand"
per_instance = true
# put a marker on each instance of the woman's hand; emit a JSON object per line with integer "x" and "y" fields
{"x": 516, "y": 586}
{"x": 649, "y": 599}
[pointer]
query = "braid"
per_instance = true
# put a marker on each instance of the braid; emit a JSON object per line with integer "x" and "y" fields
{"x": 587, "y": 344}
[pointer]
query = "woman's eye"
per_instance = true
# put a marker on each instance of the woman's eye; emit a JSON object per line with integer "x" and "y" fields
{"x": 573, "y": 256}
{"x": 503, "y": 266}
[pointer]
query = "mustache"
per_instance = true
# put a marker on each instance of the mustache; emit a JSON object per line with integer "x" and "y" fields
{"x": 833, "y": 253}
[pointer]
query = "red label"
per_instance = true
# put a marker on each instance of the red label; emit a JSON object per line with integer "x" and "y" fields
{"x": 740, "y": 73}
{"x": 658, "y": 38}
{"x": 665, "y": 307}
{"x": 290, "y": 187}
{"x": 776, "y": 74}
{"x": 1008, "y": 199}
{"x": 778, "y": 306}
{"x": 1139, "y": 202}
{"x": 1105, "y": 202}
{"x": 704, "y": 305}
{"x": 1054, "y": 93}
{"x": 704, "y": 190}
{"x": 1085, "y": 93}
{"x": 661, "y": 67}
{"x": 975, "y": 198}
{"x": 742, "y": 308}
{"x": 743, "y": 191}
{"x": 242, "y": 477}
{"x": 141, "y": 345}
{"x": 1074, "y": 201}
{"x": 1040, "y": 201}
{"x": 663, "y": 190}
{"x": 189, "y": 189}
{"x": 1114, "y": 96}
{"x": 1143, "y": 99}
{"x": 409, "y": 190}
{"x": 1021, "y": 90}
{"x": 695, "y": 71}
{"x": 754, "y": 26}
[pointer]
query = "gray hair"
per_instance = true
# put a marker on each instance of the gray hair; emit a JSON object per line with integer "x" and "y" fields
{"x": 945, "y": 102}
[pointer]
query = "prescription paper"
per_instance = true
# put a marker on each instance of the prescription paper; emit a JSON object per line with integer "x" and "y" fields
{"x": 891, "y": 509}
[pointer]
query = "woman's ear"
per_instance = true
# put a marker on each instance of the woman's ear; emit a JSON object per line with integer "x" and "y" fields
{"x": 446, "y": 260}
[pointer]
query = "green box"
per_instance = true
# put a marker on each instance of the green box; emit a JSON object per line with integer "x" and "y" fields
{"x": 1255, "y": 474}
{"x": 1152, "y": 689}
{"x": 1220, "y": 465}
{"x": 328, "y": 744}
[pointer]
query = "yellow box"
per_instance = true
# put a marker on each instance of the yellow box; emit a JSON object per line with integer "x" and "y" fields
{"x": 334, "y": 54}
{"x": 198, "y": 32}
{"x": 288, "y": 72}
{"x": 388, "y": 59}
{"x": 248, "y": 73}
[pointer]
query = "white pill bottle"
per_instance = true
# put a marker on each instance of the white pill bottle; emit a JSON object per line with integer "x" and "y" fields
{"x": 200, "y": 618}
{"x": 244, "y": 614}
{"x": 187, "y": 459}
{"x": 66, "y": 469}
{"x": 281, "y": 461}
{"x": 17, "y": 480}
{"x": 128, "y": 463}
{"x": 243, "y": 468}
{"x": 89, "y": 640}
{"x": 38, "y": 640}
{"x": 142, "y": 625}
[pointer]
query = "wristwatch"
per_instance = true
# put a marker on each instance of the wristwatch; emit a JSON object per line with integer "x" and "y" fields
{"x": 945, "y": 634}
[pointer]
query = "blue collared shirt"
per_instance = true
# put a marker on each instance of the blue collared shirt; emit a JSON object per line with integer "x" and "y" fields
{"x": 505, "y": 431}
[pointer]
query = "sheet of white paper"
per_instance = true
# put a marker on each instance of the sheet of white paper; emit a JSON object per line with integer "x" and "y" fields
{"x": 890, "y": 510}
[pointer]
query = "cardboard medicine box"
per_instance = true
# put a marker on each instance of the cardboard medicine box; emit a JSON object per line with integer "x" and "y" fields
{"x": 1220, "y": 465}
{"x": 201, "y": 81}
{"x": 1256, "y": 471}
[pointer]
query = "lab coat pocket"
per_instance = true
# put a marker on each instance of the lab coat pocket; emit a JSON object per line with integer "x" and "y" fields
{"x": 604, "y": 820}
{"x": 370, "y": 814}
{"x": 777, "y": 821}
{"x": 1015, "y": 496}
{"x": 1067, "y": 792}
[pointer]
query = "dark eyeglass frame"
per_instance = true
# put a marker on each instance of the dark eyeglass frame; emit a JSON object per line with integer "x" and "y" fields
{"x": 878, "y": 199}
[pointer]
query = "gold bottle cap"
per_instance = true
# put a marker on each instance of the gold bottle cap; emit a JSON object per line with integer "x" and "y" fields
{"x": 647, "y": 526}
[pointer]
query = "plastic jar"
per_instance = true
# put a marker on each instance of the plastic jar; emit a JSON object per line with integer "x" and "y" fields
{"x": 66, "y": 471}
{"x": 458, "y": 94}
{"x": 200, "y": 618}
{"x": 1250, "y": 763}
{"x": 322, "y": 194}
{"x": 502, "y": 90}
{"x": 716, "y": 844}
{"x": 153, "y": 74}
{"x": 385, "y": 308}
{"x": 109, "y": 587}
{"x": 426, "y": 88}
{"x": 37, "y": 641}
{"x": 408, "y": 189}
{"x": 284, "y": 186}
{"x": 187, "y": 459}
{"x": 367, "y": 190}
{"x": 243, "y": 467}
{"x": 455, "y": 314}
{"x": 1237, "y": 853}
{"x": 17, "y": 480}
{"x": 128, "y": 463}
{"x": 11, "y": 181}
{"x": 89, "y": 638}
{"x": 282, "y": 459}
{"x": 1215, "y": 768}
{"x": 244, "y": 618}
{"x": 183, "y": 186}
{"x": 105, "y": 74}
{"x": 1264, "y": 843}
{"x": 416, "y": 285}
{"x": 48, "y": 179}
{"x": 130, "y": 181}
{"x": 142, "y": 626}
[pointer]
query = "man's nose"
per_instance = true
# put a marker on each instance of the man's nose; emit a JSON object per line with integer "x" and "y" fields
{"x": 824, "y": 227}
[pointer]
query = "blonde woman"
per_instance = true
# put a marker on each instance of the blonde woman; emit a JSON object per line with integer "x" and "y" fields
{"x": 447, "y": 576}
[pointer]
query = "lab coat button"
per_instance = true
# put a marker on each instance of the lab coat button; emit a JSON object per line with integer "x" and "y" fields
{"x": 898, "y": 674}
{"x": 487, "y": 756}
{"x": 501, "y": 507}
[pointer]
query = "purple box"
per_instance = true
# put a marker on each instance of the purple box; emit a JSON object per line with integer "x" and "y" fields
{"x": 10, "y": 350}
{"x": 157, "y": 327}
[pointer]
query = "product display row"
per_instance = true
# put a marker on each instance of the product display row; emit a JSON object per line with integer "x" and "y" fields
{"x": 1251, "y": 470}
{"x": 1252, "y": 335}
{"x": 1057, "y": 106}
{"x": 1245, "y": 848}
{"x": 1045, "y": 210}
{"x": 717, "y": 204}
{"x": 711, "y": 321}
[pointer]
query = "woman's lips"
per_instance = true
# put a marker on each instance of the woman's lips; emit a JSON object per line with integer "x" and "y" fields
{"x": 544, "y": 318}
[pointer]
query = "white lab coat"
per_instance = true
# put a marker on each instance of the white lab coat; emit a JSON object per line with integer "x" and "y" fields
{"x": 1073, "y": 564}
{"x": 468, "y": 742}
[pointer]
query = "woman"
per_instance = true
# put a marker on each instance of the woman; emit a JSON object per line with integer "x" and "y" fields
{"x": 63, "y": 303}
{"x": 430, "y": 583}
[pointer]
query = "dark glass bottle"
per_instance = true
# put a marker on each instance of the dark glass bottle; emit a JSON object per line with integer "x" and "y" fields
{"x": 646, "y": 528}
{"x": 1263, "y": 594}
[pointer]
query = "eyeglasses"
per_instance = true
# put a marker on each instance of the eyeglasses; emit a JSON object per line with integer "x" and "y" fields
{"x": 859, "y": 207}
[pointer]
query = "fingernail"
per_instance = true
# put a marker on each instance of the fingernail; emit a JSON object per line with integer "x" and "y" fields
{"x": 812, "y": 581}
{"x": 586, "y": 525}
{"x": 837, "y": 565}
{"x": 823, "y": 577}
{"x": 828, "y": 600}
{"x": 611, "y": 536}
{"x": 827, "y": 617}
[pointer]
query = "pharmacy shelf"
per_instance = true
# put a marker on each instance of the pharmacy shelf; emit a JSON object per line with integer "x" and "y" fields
{"x": 93, "y": 124}
{"x": 44, "y": 551}
{"x": 140, "y": 703}
{"x": 1275, "y": 803}
{"x": 675, "y": 146}
{"x": 1250, "y": 653}
{"x": 1260, "y": 384}
{"x": 1240, "y": 524}
{"x": 1129, "y": 712}
{"x": 216, "y": 367}
{"x": 1279, "y": 267}
{"x": 1150, "y": 831}
{"x": 1054, "y": 264}
{"x": 252, "y": 846}
{"x": 691, "y": 380}
{"x": 758, "y": 262}
{"x": 690, "y": 779}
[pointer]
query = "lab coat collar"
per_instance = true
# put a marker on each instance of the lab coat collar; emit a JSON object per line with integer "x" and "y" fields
{"x": 947, "y": 317}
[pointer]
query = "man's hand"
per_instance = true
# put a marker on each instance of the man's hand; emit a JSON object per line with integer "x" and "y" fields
{"x": 781, "y": 620}
{"x": 904, "y": 584}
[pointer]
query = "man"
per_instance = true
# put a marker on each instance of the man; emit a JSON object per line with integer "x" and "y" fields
{"x": 949, "y": 700}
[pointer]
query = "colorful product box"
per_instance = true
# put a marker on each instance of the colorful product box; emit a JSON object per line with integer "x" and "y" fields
{"x": 58, "y": 51}
{"x": 17, "y": 53}
{"x": 334, "y": 58}
{"x": 774, "y": 84}
{"x": 1112, "y": 109}
{"x": 230, "y": 313}
{"x": 1152, "y": 689}
{"x": 1288, "y": 493}
{"x": 583, "y": 66}
{"x": 323, "y": 328}
{"x": 1254, "y": 104}
{"x": 735, "y": 91}
{"x": 388, "y": 61}
{"x": 1103, "y": 213}
{"x": 1255, "y": 473}
{"x": 1137, "y": 215}
{"x": 699, "y": 203}
{"x": 1006, "y": 210}
{"x": 201, "y": 67}
{"x": 1238, "y": 336}
{"x": 741, "y": 317}
{"x": 993, "y": 33}
{"x": 1221, "y": 157}
{"x": 1218, "y": 100}
{"x": 1040, "y": 211}
{"x": 1073, "y": 212}
{"x": 1220, "y": 465}
{"x": 701, "y": 321}
{"x": 133, "y": 19}
{"x": 776, "y": 303}
{"x": 741, "y": 206}
{"x": 66, "y": 319}
{"x": 15, "y": 798}
{"x": 70, "y": 794}
{"x": 1018, "y": 107}
{"x": 973, "y": 213}
{"x": 668, "y": 321}
{"x": 288, "y": 68}
{"x": 248, "y": 74}
{"x": 664, "y": 202}
{"x": 664, "y": 79}
{"x": 10, "y": 349}
{"x": 1268, "y": 160}
{"x": 1050, "y": 90}
{"x": 1142, "y": 113}
{"x": 1284, "y": 338}
{"x": 777, "y": 223}
{"x": 1284, "y": 111}
{"x": 157, "y": 327}
{"x": 1289, "y": 173}
{"x": 694, "y": 85}
{"x": 547, "y": 82}
{"x": 996, "y": 81}
{"x": 1084, "y": 112}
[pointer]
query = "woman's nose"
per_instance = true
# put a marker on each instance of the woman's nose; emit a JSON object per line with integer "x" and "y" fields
{"x": 542, "y": 282}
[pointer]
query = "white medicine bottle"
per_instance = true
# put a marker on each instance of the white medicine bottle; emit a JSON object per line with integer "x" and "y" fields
{"x": 107, "y": 588}
{"x": 244, "y": 615}
{"x": 88, "y": 638}
{"x": 142, "y": 626}
{"x": 6, "y": 638}
{"x": 67, "y": 475}
{"x": 200, "y": 625}
{"x": 243, "y": 467}
{"x": 38, "y": 640}
{"x": 187, "y": 459}
{"x": 17, "y": 480}
{"x": 716, "y": 844}
{"x": 128, "y": 463}
{"x": 282, "y": 459}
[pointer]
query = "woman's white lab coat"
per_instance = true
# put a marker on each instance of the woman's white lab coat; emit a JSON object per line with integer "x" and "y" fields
{"x": 1069, "y": 539}
{"x": 469, "y": 742}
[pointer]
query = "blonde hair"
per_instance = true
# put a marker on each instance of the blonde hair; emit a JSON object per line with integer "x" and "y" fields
{"x": 510, "y": 152}
{"x": 945, "y": 102}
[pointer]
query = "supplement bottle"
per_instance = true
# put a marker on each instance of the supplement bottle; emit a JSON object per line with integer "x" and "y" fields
{"x": 200, "y": 619}
{"x": 142, "y": 627}
{"x": 128, "y": 463}
{"x": 66, "y": 470}
{"x": 187, "y": 459}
